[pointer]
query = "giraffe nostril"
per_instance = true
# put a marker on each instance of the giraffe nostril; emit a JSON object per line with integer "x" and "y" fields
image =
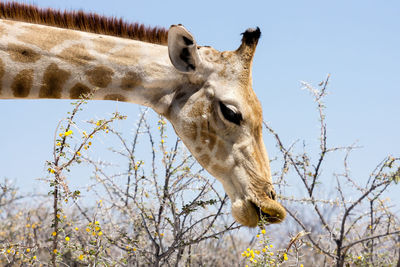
{"x": 271, "y": 194}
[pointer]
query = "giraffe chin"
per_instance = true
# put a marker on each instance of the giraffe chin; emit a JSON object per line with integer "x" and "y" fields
{"x": 249, "y": 214}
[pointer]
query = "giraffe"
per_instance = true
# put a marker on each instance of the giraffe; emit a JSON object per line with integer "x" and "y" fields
{"x": 206, "y": 94}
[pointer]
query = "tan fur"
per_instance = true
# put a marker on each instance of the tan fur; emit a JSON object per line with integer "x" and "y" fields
{"x": 103, "y": 45}
{"x": 125, "y": 56}
{"x": 76, "y": 54}
{"x": 46, "y": 38}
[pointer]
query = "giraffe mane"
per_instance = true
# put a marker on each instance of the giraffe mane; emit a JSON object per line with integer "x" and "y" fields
{"x": 82, "y": 21}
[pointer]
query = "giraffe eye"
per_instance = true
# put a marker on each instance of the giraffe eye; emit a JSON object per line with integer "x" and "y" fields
{"x": 230, "y": 115}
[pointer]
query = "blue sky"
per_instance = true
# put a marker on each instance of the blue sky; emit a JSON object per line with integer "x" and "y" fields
{"x": 357, "y": 42}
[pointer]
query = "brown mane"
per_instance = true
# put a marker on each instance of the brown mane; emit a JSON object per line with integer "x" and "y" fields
{"x": 79, "y": 20}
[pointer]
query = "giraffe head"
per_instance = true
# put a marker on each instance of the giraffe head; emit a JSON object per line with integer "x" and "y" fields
{"x": 219, "y": 118}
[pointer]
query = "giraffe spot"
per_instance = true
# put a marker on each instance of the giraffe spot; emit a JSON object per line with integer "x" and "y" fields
{"x": 222, "y": 153}
{"x": 54, "y": 79}
{"x": 198, "y": 149}
{"x": 1, "y": 74}
{"x": 22, "y": 83}
{"x": 100, "y": 76}
{"x": 204, "y": 160}
{"x": 126, "y": 56}
{"x": 197, "y": 109}
{"x": 76, "y": 54}
{"x": 191, "y": 131}
{"x": 78, "y": 91}
{"x": 130, "y": 81}
{"x": 219, "y": 169}
{"x": 47, "y": 37}
{"x": 103, "y": 45}
{"x": 116, "y": 97}
{"x": 22, "y": 53}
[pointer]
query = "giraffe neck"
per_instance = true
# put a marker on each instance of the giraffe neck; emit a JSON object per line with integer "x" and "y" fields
{"x": 45, "y": 62}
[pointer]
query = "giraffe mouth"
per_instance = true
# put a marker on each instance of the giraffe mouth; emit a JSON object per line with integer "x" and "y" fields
{"x": 269, "y": 215}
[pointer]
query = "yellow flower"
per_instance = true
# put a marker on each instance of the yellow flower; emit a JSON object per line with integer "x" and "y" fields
{"x": 301, "y": 265}
{"x": 100, "y": 233}
{"x": 264, "y": 250}
{"x": 255, "y": 261}
{"x": 90, "y": 143}
{"x": 69, "y": 132}
{"x": 96, "y": 222}
{"x": 161, "y": 234}
{"x": 58, "y": 216}
{"x": 58, "y": 144}
{"x": 28, "y": 225}
{"x": 85, "y": 134}
{"x": 359, "y": 258}
{"x": 28, "y": 250}
{"x": 85, "y": 147}
{"x": 97, "y": 228}
{"x": 67, "y": 238}
{"x": 54, "y": 233}
{"x": 81, "y": 256}
{"x": 76, "y": 228}
{"x": 258, "y": 236}
{"x": 78, "y": 153}
{"x": 98, "y": 123}
{"x": 8, "y": 251}
{"x": 33, "y": 226}
{"x": 52, "y": 171}
{"x": 257, "y": 252}
{"x": 55, "y": 251}
{"x": 87, "y": 230}
{"x": 271, "y": 253}
{"x": 263, "y": 231}
{"x": 134, "y": 249}
{"x": 271, "y": 246}
{"x": 34, "y": 257}
{"x": 285, "y": 257}
{"x": 60, "y": 134}
{"x": 162, "y": 141}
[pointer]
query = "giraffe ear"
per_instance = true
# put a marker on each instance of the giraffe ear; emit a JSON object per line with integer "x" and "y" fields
{"x": 182, "y": 49}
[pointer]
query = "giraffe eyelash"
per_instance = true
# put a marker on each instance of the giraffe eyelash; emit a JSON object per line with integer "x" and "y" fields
{"x": 229, "y": 114}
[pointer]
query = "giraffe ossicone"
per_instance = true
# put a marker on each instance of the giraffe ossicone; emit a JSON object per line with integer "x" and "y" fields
{"x": 206, "y": 94}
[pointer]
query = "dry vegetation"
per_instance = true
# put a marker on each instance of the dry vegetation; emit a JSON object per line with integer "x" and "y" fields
{"x": 159, "y": 208}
